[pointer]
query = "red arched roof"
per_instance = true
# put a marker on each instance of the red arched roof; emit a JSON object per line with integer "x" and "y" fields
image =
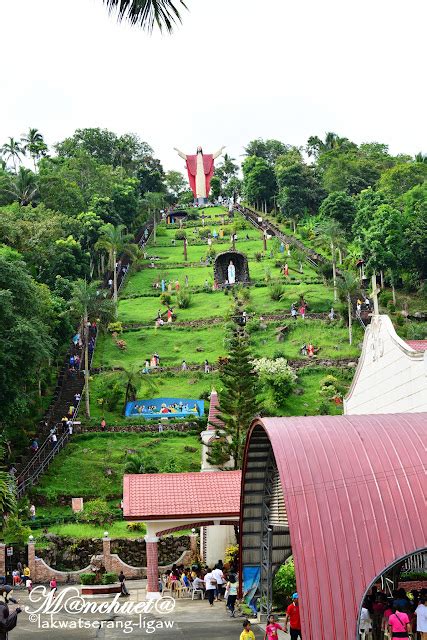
{"x": 354, "y": 489}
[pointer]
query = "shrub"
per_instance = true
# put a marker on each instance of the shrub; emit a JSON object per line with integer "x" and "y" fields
{"x": 258, "y": 256}
{"x": 121, "y": 344}
{"x": 324, "y": 408}
{"x": 385, "y": 298}
{"x": 253, "y": 325}
{"x": 276, "y": 291}
{"x": 183, "y": 299}
{"x": 277, "y": 375}
{"x": 325, "y": 270}
{"x": 136, "y": 526}
{"x": 166, "y": 299}
{"x": 110, "y": 393}
{"x": 180, "y": 234}
{"x": 416, "y": 331}
{"x": 96, "y": 512}
{"x": 189, "y": 449}
{"x": 109, "y": 578}
{"x": 15, "y": 531}
{"x": 87, "y": 578}
{"x": 115, "y": 327}
{"x": 284, "y": 584}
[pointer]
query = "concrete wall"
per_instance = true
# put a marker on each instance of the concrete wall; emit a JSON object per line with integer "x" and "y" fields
{"x": 214, "y": 542}
{"x": 391, "y": 377}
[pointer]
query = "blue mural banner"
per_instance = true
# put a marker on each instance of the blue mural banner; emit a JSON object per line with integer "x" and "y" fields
{"x": 165, "y": 408}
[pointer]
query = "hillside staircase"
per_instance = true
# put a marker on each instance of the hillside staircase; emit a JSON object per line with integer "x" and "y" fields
{"x": 29, "y": 470}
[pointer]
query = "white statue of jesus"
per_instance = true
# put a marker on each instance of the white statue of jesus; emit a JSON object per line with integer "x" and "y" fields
{"x": 231, "y": 273}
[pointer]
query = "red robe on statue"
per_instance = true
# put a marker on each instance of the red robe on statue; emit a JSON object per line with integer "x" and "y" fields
{"x": 208, "y": 166}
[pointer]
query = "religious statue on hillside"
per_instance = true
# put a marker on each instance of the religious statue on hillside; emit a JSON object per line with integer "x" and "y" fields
{"x": 231, "y": 273}
{"x": 200, "y": 168}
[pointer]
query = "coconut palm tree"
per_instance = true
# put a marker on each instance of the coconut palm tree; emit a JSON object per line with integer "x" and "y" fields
{"x": 113, "y": 240}
{"x": 154, "y": 201}
{"x": 88, "y": 305}
{"x": 132, "y": 378}
{"x": 330, "y": 233}
{"x": 35, "y": 145}
{"x": 147, "y": 13}
{"x": 14, "y": 150}
{"x": 23, "y": 186}
{"x": 348, "y": 285}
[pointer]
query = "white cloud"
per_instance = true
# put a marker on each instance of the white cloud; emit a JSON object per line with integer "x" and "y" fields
{"x": 229, "y": 74}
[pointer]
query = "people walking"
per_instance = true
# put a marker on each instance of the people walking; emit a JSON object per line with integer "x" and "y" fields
{"x": 293, "y": 618}
{"x": 122, "y": 580}
{"x": 271, "y": 628}
{"x": 231, "y": 593}
{"x": 53, "y": 586}
{"x": 210, "y": 586}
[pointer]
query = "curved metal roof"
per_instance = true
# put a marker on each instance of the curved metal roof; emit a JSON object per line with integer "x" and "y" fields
{"x": 354, "y": 490}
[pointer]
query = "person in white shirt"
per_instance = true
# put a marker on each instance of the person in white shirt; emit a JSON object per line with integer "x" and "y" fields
{"x": 421, "y": 613}
{"x": 210, "y": 585}
{"x": 198, "y": 583}
{"x": 220, "y": 582}
{"x": 365, "y": 624}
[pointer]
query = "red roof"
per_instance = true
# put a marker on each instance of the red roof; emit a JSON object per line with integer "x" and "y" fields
{"x": 167, "y": 496}
{"x": 354, "y": 492}
{"x": 418, "y": 345}
{"x": 213, "y": 420}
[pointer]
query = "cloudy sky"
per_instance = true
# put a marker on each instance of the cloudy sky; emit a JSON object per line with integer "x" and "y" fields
{"x": 235, "y": 70}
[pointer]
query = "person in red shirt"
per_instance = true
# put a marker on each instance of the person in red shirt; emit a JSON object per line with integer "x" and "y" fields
{"x": 293, "y": 617}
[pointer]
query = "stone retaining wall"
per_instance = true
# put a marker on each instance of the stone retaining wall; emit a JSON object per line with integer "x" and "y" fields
{"x": 41, "y": 572}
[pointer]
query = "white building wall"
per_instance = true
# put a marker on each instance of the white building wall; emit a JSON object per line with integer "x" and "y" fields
{"x": 218, "y": 538}
{"x": 391, "y": 376}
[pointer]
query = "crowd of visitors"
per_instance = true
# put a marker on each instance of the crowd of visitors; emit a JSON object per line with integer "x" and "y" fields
{"x": 398, "y": 616}
{"x": 215, "y": 585}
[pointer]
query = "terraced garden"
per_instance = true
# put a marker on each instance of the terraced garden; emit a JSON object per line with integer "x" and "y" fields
{"x": 198, "y": 332}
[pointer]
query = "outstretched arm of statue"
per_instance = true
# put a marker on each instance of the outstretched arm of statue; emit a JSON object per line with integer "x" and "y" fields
{"x": 218, "y": 153}
{"x": 180, "y": 153}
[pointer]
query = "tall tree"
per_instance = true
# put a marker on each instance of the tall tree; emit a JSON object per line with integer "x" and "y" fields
{"x": 340, "y": 207}
{"x": 147, "y": 13}
{"x": 348, "y": 286}
{"x": 35, "y": 145}
{"x": 269, "y": 150}
{"x": 259, "y": 181}
{"x": 238, "y": 398}
{"x": 175, "y": 183}
{"x": 23, "y": 187}
{"x": 384, "y": 243}
{"x": 115, "y": 241}
{"x": 12, "y": 149}
{"x": 330, "y": 233}
{"x": 88, "y": 305}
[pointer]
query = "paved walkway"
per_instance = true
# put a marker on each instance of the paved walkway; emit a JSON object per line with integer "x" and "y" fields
{"x": 189, "y": 619}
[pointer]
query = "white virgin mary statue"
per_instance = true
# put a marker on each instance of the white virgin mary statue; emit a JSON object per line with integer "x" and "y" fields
{"x": 231, "y": 273}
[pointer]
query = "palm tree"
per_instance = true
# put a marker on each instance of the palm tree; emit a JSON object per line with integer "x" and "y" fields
{"x": 89, "y": 305}
{"x": 132, "y": 377}
{"x": 348, "y": 285}
{"x": 147, "y": 13}
{"x": 35, "y": 145}
{"x": 331, "y": 233}
{"x": 114, "y": 241}
{"x": 23, "y": 187}
{"x": 14, "y": 150}
{"x": 154, "y": 201}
